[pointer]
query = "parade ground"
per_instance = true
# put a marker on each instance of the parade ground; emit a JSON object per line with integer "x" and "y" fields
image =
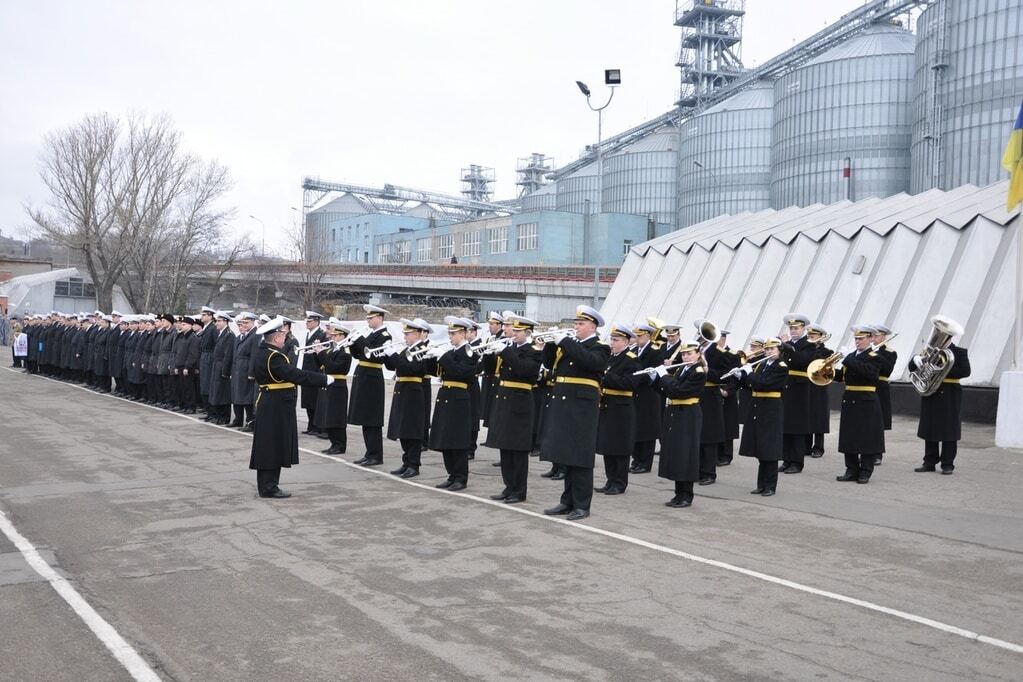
{"x": 134, "y": 546}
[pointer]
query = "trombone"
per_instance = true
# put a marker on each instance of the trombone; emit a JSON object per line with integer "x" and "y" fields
{"x": 707, "y": 333}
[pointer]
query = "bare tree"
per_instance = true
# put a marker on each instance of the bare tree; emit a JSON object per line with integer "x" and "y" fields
{"x": 145, "y": 213}
{"x": 310, "y": 251}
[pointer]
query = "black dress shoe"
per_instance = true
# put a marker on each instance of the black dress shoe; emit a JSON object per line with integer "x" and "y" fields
{"x": 247, "y": 428}
{"x": 707, "y": 481}
{"x": 757, "y": 491}
{"x": 361, "y": 460}
{"x": 577, "y": 515}
{"x": 863, "y": 479}
{"x": 767, "y": 493}
{"x": 846, "y": 477}
{"x": 602, "y": 489}
{"x": 322, "y": 434}
{"x": 947, "y": 471}
{"x": 679, "y": 503}
{"x": 410, "y": 472}
{"x": 372, "y": 462}
{"x": 560, "y": 476}
{"x": 456, "y": 486}
{"x": 399, "y": 471}
{"x": 514, "y": 500}
{"x": 310, "y": 431}
{"x": 278, "y": 493}
{"x": 472, "y": 455}
{"x": 924, "y": 468}
{"x": 557, "y": 510}
{"x": 233, "y": 425}
{"x": 640, "y": 470}
{"x": 877, "y": 461}
{"x": 444, "y": 484}
{"x": 792, "y": 469}
{"x": 534, "y": 453}
{"x": 548, "y": 474}
{"x": 334, "y": 450}
{"x": 500, "y": 497}
{"x": 724, "y": 462}
{"x": 496, "y": 464}
{"x": 615, "y": 491}
{"x": 816, "y": 454}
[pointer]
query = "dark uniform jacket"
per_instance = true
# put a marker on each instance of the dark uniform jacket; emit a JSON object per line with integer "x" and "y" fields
{"x": 223, "y": 359}
{"x": 683, "y": 420}
{"x": 619, "y": 412}
{"x": 452, "y": 427}
{"x": 311, "y": 363}
{"x": 730, "y": 402}
{"x": 100, "y": 359}
{"x": 153, "y": 362}
{"x": 570, "y": 425}
{"x": 366, "y": 405}
{"x": 78, "y": 349}
{"x": 407, "y": 418}
{"x": 820, "y": 402}
{"x": 186, "y": 353}
{"x": 861, "y": 430}
{"x": 763, "y": 428}
{"x": 275, "y": 431}
{"x": 207, "y": 344}
{"x": 884, "y": 394}
{"x": 243, "y": 384}
{"x": 511, "y": 415}
{"x": 712, "y": 403}
{"x": 166, "y": 357}
{"x": 648, "y": 402}
{"x": 114, "y": 351}
{"x": 940, "y": 412}
{"x": 332, "y": 403}
{"x": 488, "y": 369}
{"x": 797, "y": 355}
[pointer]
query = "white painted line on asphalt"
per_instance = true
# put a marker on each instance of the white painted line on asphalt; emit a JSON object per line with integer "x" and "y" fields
{"x": 104, "y": 631}
{"x": 775, "y": 580}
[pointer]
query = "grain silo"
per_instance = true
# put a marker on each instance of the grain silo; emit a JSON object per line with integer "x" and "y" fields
{"x": 543, "y": 199}
{"x": 842, "y": 122}
{"x": 966, "y": 91}
{"x": 725, "y": 159}
{"x": 579, "y": 192}
{"x": 640, "y": 178}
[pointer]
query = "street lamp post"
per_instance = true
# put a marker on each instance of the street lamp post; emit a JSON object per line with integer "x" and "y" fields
{"x": 612, "y": 78}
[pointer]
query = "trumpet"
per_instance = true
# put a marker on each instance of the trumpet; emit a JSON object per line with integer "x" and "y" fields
{"x": 379, "y": 350}
{"x": 352, "y": 338}
{"x": 423, "y": 350}
{"x": 493, "y": 345}
{"x": 313, "y": 346}
{"x": 554, "y": 335}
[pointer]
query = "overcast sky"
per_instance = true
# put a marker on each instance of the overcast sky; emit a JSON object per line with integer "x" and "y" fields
{"x": 386, "y": 91}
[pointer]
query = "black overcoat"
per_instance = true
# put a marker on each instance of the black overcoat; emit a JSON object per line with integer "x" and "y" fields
{"x": 940, "y": 412}
{"x": 366, "y": 406}
{"x": 332, "y": 403}
{"x": 275, "y": 430}
{"x": 100, "y": 359}
{"x": 730, "y": 402}
{"x": 861, "y": 430}
{"x": 680, "y": 439}
{"x": 820, "y": 403}
{"x": 762, "y": 431}
{"x": 511, "y": 415}
{"x": 243, "y": 384}
{"x": 311, "y": 363}
{"x": 573, "y": 413}
{"x": 616, "y": 428}
{"x": 712, "y": 403}
{"x": 207, "y": 344}
{"x": 648, "y": 402}
{"x": 796, "y": 397}
{"x": 223, "y": 359}
{"x": 452, "y": 427}
{"x": 488, "y": 369}
{"x": 407, "y": 418}
{"x": 884, "y": 394}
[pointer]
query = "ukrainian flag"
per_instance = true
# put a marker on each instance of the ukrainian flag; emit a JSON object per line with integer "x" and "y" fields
{"x": 1012, "y": 161}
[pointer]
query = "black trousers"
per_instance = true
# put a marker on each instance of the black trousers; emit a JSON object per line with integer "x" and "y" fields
{"x": 373, "y": 437}
{"x": 411, "y": 452}
{"x": 726, "y": 451}
{"x": 643, "y": 454}
{"x": 684, "y": 490}
{"x": 616, "y": 468}
{"x": 941, "y": 451}
{"x": 859, "y": 464}
{"x": 103, "y": 384}
{"x": 578, "y": 487}
{"x": 456, "y": 463}
{"x": 515, "y": 472}
{"x": 338, "y": 438}
{"x": 795, "y": 446}
{"x": 709, "y": 461}
{"x": 267, "y": 480}
{"x": 818, "y": 442}
{"x": 767, "y": 474}
{"x": 310, "y": 413}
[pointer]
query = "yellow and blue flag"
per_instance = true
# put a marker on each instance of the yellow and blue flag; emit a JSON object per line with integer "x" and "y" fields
{"x": 1012, "y": 161}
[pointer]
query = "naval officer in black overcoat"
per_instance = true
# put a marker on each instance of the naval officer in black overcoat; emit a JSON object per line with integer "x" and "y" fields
{"x": 616, "y": 429}
{"x": 406, "y": 422}
{"x": 366, "y": 403}
{"x": 861, "y": 431}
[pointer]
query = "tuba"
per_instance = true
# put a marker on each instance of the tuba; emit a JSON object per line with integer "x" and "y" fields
{"x": 935, "y": 360}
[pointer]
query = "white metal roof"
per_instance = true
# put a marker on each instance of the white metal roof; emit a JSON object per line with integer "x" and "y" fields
{"x": 896, "y": 261}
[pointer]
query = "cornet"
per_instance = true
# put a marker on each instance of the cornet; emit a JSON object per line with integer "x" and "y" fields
{"x": 554, "y": 335}
{"x": 380, "y": 350}
{"x": 420, "y": 352}
{"x": 352, "y": 338}
{"x": 313, "y": 346}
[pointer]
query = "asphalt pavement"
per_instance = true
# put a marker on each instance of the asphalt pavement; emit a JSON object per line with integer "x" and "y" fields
{"x": 154, "y": 519}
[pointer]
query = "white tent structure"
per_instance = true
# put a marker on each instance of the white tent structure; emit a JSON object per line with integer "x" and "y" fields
{"x": 36, "y": 294}
{"x": 896, "y": 261}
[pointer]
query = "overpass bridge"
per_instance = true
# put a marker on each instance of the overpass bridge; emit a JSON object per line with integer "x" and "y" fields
{"x": 546, "y": 293}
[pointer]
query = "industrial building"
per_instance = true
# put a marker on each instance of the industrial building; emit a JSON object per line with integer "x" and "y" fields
{"x": 898, "y": 96}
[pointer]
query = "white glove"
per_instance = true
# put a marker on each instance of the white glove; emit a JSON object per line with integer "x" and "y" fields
{"x": 436, "y": 352}
{"x": 660, "y": 370}
{"x": 330, "y": 380}
{"x": 746, "y": 369}
{"x": 918, "y": 361}
{"x": 390, "y": 350}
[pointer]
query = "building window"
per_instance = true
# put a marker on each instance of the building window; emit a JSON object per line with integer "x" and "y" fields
{"x": 471, "y": 243}
{"x": 626, "y": 245}
{"x": 528, "y": 236}
{"x": 74, "y": 288}
{"x": 498, "y": 239}
{"x": 402, "y": 251}
{"x": 333, "y": 234}
{"x": 383, "y": 250}
{"x": 445, "y": 246}
{"x": 424, "y": 252}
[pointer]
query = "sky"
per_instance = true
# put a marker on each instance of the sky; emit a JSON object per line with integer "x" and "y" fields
{"x": 386, "y": 91}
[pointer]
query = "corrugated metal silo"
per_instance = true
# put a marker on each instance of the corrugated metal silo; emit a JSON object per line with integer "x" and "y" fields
{"x": 725, "y": 160}
{"x": 543, "y": 199}
{"x": 578, "y": 192}
{"x": 640, "y": 179}
{"x": 852, "y": 102}
{"x": 966, "y": 91}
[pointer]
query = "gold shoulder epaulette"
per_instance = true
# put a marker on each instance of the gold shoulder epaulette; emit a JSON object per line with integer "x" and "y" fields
{"x": 630, "y": 354}
{"x": 873, "y": 354}
{"x": 782, "y": 364}
{"x": 700, "y": 369}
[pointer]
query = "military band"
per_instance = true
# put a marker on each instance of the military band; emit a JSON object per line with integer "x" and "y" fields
{"x": 565, "y": 392}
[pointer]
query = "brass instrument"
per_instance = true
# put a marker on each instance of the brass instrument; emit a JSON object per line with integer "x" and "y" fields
{"x": 352, "y": 338}
{"x": 379, "y": 350}
{"x": 423, "y": 350}
{"x": 551, "y": 335}
{"x": 821, "y": 371}
{"x": 827, "y": 337}
{"x": 653, "y": 370}
{"x": 313, "y": 347}
{"x": 657, "y": 324}
{"x": 707, "y": 333}
{"x": 935, "y": 361}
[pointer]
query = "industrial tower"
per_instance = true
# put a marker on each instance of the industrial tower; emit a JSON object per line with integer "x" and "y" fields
{"x": 533, "y": 171}
{"x": 710, "y": 54}
{"x": 477, "y": 183}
